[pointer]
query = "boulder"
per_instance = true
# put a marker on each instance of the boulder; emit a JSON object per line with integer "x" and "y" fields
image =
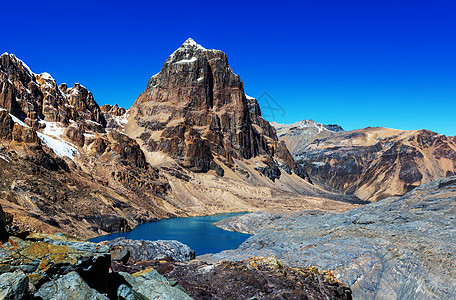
{"x": 69, "y": 286}
{"x": 124, "y": 292}
{"x": 151, "y": 285}
{"x": 13, "y": 285}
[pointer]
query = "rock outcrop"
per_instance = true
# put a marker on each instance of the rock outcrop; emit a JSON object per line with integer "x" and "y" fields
{"x": 397, "y": 248}
{"x": 371, "y": 163}
{"x": 148, "y": 284}
{"x": 44, "y": 266}
{"x": 153, "y": 250}
{"x": 43, "y": 257}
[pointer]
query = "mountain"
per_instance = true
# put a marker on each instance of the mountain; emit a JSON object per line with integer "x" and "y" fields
{"x": 298, "y": 135}
{"x": 371, "y": 163}
{"x": 192, "y": 144}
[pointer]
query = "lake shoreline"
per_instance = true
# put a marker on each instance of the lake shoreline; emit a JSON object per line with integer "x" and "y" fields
{"x": 198, "y": 232}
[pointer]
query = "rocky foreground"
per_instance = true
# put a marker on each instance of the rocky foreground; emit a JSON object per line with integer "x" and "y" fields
{"x": 44, "y": 266}
{"x": 397, "y": 248}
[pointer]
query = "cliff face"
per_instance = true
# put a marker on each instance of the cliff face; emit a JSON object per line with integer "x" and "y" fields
{"x": 196, "y": 111}
{"x": 372, "y": 163}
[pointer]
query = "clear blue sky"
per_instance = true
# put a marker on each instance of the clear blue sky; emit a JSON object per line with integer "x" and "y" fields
{"x": 354, "y": 63}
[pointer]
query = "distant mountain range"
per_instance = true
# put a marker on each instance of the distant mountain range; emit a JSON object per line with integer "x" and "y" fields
{"x": 371, "y": 163}
{"x": 192, "y": 144}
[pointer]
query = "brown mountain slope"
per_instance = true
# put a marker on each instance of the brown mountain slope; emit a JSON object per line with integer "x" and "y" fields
{"x": 371, "y": 163}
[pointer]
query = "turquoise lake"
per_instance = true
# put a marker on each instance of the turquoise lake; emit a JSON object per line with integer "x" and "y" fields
{"x": 198, "y": 233}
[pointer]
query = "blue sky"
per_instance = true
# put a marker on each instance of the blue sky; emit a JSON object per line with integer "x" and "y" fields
{"x": 354, "y": 63}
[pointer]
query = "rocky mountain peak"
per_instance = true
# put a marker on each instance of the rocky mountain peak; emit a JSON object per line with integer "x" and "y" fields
{"x": 33, "y": 97}
{"x": 191, "y": 43}
{"x": 199, "y": 98}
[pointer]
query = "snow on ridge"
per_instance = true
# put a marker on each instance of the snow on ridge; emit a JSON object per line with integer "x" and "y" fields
{"x": 46, "y": 76}
{"x": 24, "y": 65}
{"x": 93, "y": 122}
{"x": 249, "y": 98}
{"x": 4, "y": 158}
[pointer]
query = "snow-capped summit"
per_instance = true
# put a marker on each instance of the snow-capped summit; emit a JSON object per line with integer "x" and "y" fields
{"x": 191, "y": 42}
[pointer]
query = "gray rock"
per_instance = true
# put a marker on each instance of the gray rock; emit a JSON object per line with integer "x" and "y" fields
{"x": 152, "y": 250}
{"x": 247, "y": 223}
{"x": 397, "y": 248}
{"x": 13, "y": 285}
{"x": 151, "y": 285}
{"x": 69, "y": 286}
{"x": 124, "y": 292}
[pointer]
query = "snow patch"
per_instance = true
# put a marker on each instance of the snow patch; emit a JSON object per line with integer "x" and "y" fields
{"x": 248, "y": 97}
{"x": 59, "y": 146}
{"x": 121, "y": 120}
{"x": 16, "y": 120}
{"x": 200, "y": 78}
{"x": 24, "y": 65}
{"x": 96, "y": 123}
{"x": 53, "y": 128}
{"x": 4, "y": 158}
{"x": 89, "y": 135}
{"x": 184, "y": 61}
